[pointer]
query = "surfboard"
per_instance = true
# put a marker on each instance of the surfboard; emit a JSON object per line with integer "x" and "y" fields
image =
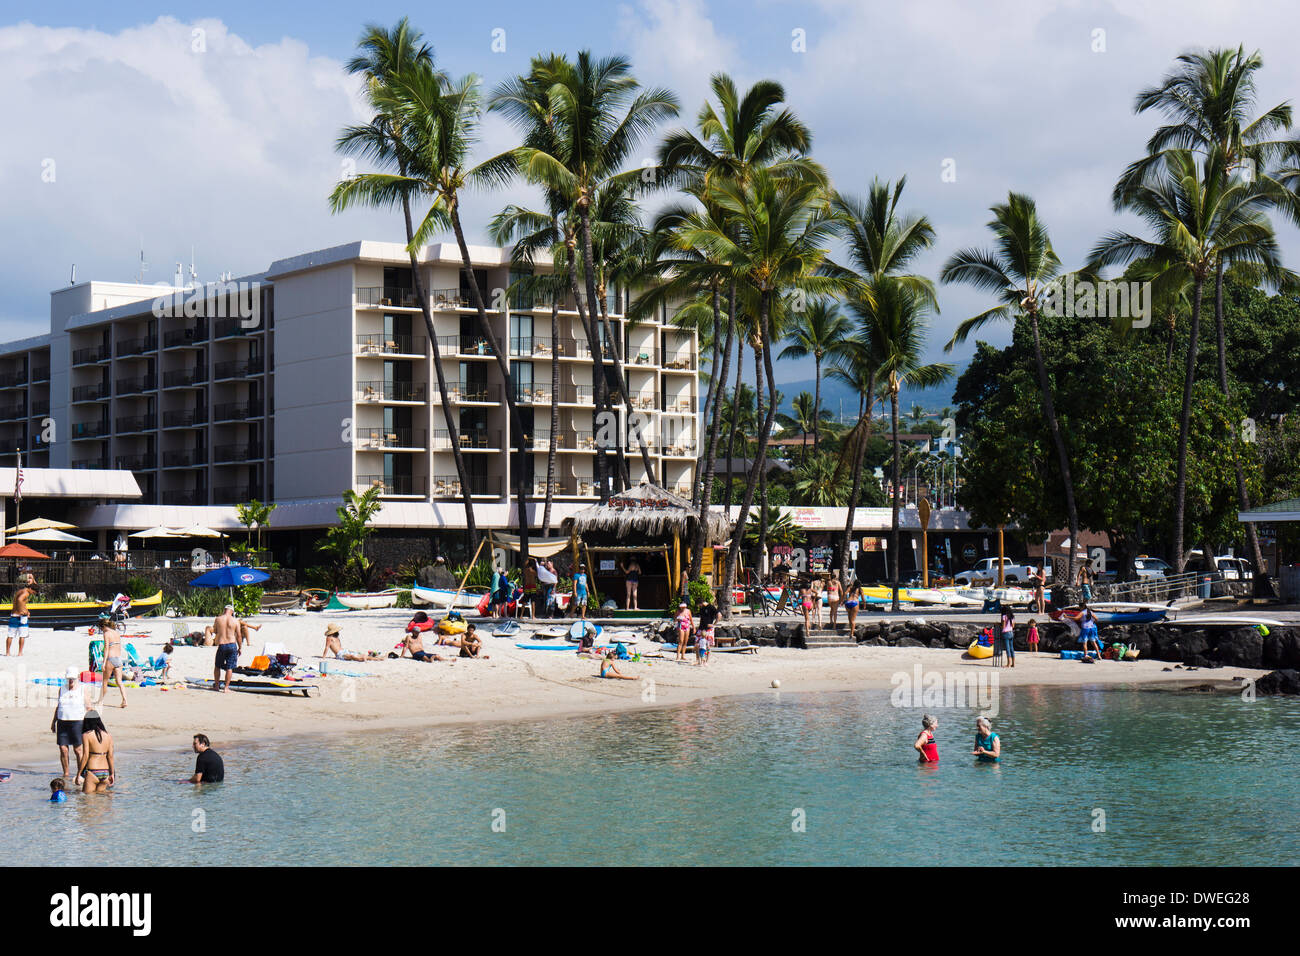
{"x": 1222, "y": 620}
{"x": 268, "y": 686}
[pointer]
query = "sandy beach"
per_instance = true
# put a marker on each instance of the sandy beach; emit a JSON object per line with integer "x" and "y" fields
{"x": 513, "y": 684}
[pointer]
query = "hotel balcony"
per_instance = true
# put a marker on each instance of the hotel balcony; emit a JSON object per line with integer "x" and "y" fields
{"x": 681, "y": 361}
{"x": 236, "y": 411}
{"x": 535, "y": 395}
{"x": 541, "y": 302}
{"x": 473, "y": 440}
{"x": 383, "y": 439}
{"x": 229, "y": 328}
{"x": 577, "y": 395}
{"x": 188, "y": 337}
{"x": 185, "y": 377}
{"x": 185, "y": 496}
{"x": 235, "y": 494}
{"x": 185, "y": 458}
{"x": 480, "y": 486}
{"x": 382, "y": 297}
{"x": 92, "y": 355}
{"x": 392, "y": 393}
{"x": 641, "y": 356}
{"x": 395, "y": 486}
{"x": 10, "y": 413}
{"x": 13, "y": 379}
{"x": 185, "y": 418}
{"x": 133, "y": 386}
{"x": 93, "y": 464}
{"x": 238, "y": 368}
{"x": 463, "y": 394}
{"x": 89, "y": 430}
{"x": 680, "y": 405}
{"x": 41, "y": 373}
{"x": 90, "y": 393}
{"x": 581, "y": 441}
{"x": 138, "y": 346}
{"x": 463, "y": 346}
{"x": 233, "y": 454}
{"x": 412, "y": 346}
{"x": 40, "y": 406}
{"x": 127, "y": 424}
{"x": 539, "y": 347}
{"x": 137, "y": 462}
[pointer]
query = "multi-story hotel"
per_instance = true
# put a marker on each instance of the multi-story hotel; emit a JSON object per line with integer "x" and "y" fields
{"x": 317, "y": 375}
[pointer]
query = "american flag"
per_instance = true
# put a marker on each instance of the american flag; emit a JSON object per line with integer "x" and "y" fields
{"x": 18, "y": 480}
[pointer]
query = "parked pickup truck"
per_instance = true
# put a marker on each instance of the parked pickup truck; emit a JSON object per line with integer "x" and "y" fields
{"x": 987, "y": 570}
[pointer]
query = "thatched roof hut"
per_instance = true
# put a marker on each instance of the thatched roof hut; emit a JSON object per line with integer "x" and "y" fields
{"x": 650, "y": 511}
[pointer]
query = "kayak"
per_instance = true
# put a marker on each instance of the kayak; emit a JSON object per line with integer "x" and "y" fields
{"x": 80, "y": 613}
{"x": 980, "y": 651}
{"x": 466, "y": 600}
{"x": 1073, "y": 615}
{"x": 368, "y": 600}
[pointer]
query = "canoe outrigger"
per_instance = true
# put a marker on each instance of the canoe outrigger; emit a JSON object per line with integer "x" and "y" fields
{"x": 73, "y": 614}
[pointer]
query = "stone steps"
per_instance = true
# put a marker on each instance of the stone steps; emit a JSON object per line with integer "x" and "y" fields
{"x": 825, "y": 637}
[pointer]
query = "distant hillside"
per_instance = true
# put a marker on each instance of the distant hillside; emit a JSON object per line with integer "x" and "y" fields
{"x": 834, "y": 391}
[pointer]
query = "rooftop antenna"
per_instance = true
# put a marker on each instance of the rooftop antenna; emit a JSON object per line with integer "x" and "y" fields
{"x": 180, "y": 275}
{"x": 72, "y": 279}
{"x": 144, "y": 266}
{"x": 194, "y": 276}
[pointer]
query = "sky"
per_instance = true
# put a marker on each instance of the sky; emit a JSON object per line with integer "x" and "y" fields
{"x": 210, "y": 126}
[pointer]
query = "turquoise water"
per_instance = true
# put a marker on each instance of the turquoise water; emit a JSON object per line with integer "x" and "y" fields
{"x": 1182, "y": 779}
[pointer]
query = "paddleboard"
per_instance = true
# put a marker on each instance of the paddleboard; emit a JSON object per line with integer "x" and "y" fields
{"x": 268, "y": 686}
{"x": 1223, "y": 620}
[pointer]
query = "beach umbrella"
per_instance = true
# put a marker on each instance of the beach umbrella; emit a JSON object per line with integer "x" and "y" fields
{"x": 40, "y": 524}
{"x": 155, "y": 532}
{"x": 49, "y": 534}
{"x": 17, "y": 550}
{"x": 232, "y": 576}
{"x": 198, "y": 531}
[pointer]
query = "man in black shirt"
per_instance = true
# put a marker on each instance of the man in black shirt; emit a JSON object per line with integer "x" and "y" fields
{"x": 208, "y": 767}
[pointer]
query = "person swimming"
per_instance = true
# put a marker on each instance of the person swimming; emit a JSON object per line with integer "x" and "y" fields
{"x": 988, "y": 748}
{"x": 56, "y": 791}
{"x": 925, "y": 745}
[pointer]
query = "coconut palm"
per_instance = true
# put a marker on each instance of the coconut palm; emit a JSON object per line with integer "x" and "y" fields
{"x": 820, "y": 332}
{"x": 1197, "y": 218}
{"x": 388, "y": 142}
{"x": 803, "y": 419}
{"x": 1019, "y": 270}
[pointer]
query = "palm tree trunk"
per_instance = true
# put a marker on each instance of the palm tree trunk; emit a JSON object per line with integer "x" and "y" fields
{"x": 817, "y": 405}
{"x": 1063, "y": 458}
{"x": 859, "y": 459}
{"x": 735, "y": 413}
{"x": 711, "y": 395}
{"x": 762, "y": 475}
{"x": 601, "y": 389}
{"x": 555, "y": 409}
{"x": 448, "y": 413}
{"x": 738, "y": 533}
{"x": 894, "y": 544}
{"x": 1184, "y": 426}
{"x": 715, "y": 428}
{"x": 512, "y": 409}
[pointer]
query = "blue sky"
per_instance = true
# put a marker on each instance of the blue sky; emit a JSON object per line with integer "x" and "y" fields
{"x": 230, "y": 152}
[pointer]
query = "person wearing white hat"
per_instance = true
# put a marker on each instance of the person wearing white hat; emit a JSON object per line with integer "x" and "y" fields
{"x": 66, "y": 723}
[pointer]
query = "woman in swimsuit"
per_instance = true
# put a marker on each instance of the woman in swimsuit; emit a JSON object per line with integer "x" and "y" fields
{"x": 632, "y": 573}
{"x": 851, "y": 602}
{"x": 98, "y": 768}
{"x": 817, "y": 602}
{"x": 113, "y": 658}
{"x": 685, "y": 624}
{"x": 833, "y": 598}
{"x": 609, "y": 670}
{"x": 805, "y": 595}
{"x": 925, "y": 744}
{"x": 988, "y": 748}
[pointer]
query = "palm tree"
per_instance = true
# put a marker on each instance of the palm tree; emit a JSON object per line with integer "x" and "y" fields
{"x": 1208, "y": 99}
{"x": 780, "y": 229}
{"x": 820, "y": 482}
{"x": 1196, "y": 222}
{"x": 804, "y": 420}
{"x": 881, "y": 242}
{"x": 857, "y": 366}
{"x": 1019, "y": 270}
{"x": 390, "y": 143}
{"x": 820, "y": 333}
{"x": 598, "y": 117}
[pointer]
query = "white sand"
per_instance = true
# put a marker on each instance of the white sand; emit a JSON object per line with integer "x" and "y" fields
{"x": 513, "y": 684}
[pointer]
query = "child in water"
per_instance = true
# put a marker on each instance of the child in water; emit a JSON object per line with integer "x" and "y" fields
{"x": 925, "y": 744}
{"x": 56, "y": 791}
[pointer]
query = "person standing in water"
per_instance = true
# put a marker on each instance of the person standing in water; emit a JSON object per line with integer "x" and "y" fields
{"x": 66, "y": 723}
{"x": 988, "y": 748}
{"x": 925, "y": 745}
{"x": 98, "y": 768}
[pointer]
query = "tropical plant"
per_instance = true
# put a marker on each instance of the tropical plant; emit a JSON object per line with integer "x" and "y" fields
{"x": 821, "y": 334}
{"x": 254, "y": 514}
{"x": 820, "y": 482}
{"x": 346, "y": 542}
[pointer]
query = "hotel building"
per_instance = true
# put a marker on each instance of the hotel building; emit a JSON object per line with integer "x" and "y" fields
{"x": 317, "y": 376}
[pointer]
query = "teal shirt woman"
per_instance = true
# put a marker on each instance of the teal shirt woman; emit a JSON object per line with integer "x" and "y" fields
{"x": 988, "y": 748}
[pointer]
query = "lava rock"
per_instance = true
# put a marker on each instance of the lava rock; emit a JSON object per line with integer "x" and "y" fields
{"x": 1240, "y": 647}
{"x": 909, "y": 642}
{"x": 1282, "y": 648}
{"x": 1286, "y": 681}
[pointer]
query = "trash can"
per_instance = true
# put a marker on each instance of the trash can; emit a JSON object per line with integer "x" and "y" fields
{"x": 1206, "y": 581}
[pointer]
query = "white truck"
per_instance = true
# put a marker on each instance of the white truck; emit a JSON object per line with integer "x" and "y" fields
{"x": 1012, "y": 573}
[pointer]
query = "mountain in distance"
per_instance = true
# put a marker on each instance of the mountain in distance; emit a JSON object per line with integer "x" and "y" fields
{"x": 933, "y": 400}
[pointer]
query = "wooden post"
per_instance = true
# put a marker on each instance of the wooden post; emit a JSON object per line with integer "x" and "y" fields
{"x": 591, "y": 575}
{"x": 677, "y": 564}
{"x": 1001, "y": 552}
{"x": 923, "y": 512}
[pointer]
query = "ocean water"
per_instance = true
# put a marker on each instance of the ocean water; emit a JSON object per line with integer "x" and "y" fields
{"x": 1090, "y": 776}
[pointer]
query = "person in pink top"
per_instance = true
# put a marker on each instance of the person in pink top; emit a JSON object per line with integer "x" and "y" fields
{"x": 685, "y": 624}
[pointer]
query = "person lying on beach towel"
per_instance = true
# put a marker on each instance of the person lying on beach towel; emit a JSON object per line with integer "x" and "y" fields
{"x": 610, "y": 670}
{"x": 334, "y": 647}
{"x": 414, "y": 645}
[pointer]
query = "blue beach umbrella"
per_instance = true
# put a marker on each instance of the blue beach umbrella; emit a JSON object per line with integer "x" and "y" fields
{"x": 231, "y": 576}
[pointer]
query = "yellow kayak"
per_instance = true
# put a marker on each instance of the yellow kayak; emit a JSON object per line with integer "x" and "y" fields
{"x": 452, "y": 626}
{"x": 979, "y": 651}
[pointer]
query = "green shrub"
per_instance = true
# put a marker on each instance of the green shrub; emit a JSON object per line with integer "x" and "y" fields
{"x": 699, "y": 593}
{"x": 138, "y": 587}
{"x": 248, "y": 600}
{"x": 404, "y": 599}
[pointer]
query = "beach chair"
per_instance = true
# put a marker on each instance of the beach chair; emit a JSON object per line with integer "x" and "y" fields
{"x": 95, "y": 655}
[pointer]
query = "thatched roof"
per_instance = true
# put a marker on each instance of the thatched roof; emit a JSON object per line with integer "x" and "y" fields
{"x": 647, "y": 509}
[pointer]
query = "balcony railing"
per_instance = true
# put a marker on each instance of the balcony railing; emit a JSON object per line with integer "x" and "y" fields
{"x": 680, "y": 404}
{"x": 682, "y": 361}
{"x": 381, "y": 344}
{"x": 577, "y": 395}
{"x": 406, "y": 485}
{"x": 638, "y": 356}
{"x": 13, "y": 379}
{"x": 185, "y": 496}
{"x": 228, "y": 328}
{"x": 183, "y": 377}
{"x": 464, "y": 394}
{"x": 95, "y": 464}
{"x": 134, "y": 346}
{"x": 532, "y": 395}
{"x": 471, "y": 345}
{"x": 235, "y": 494}
{"x": 137, "y": 423}
{"x": 185, "y": 458}
{"x": 448, "y": 486}
{"x": 382, "y": 296}
{"x": 90, "y": 393}
{"x": 582, "y": 441}
{"x": 89, "y": 429}
{"x": 224, "y": 454}
{"x": 185, "y": 418}
{"x": 236, "y": 411}
{"x": 41, "y": 406}
{"x": 91, "y": 355}
{"x": 136, "y": 462}
{"x": 379, "y": 391}
{"x": 11, "y": 412}
{"x": 193, "y": 335}
{"x": 238, "y": 368}
{"x": 377, "y": 438}
{"x": 131, "y": 386}
{"x": 540, "y": 347}
{"x": 41, "y": 373}
{"x": 471, "y": 439}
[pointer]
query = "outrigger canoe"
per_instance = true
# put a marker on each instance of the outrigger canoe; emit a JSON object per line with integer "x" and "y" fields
{"x": 73, "y": 614}
{"x": 466, "y": 600}
{"x": 367, "y": 600}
